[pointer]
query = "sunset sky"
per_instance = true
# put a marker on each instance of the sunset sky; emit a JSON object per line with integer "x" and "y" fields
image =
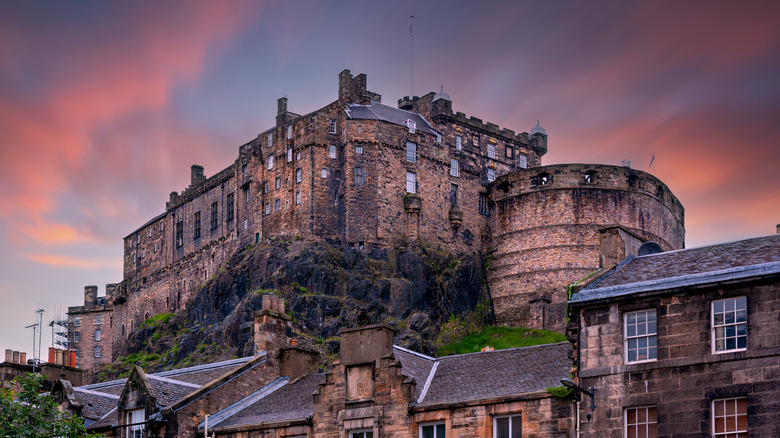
{"x": 104, "y": 106}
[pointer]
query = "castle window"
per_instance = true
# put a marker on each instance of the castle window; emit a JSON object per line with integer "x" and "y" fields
{"x": 135, "y": 258}
{"x": 509, "y": 152}
{"x": 640, "y": 336}
{"x": 286, "y": 205}
{"x": 162, "y": 226}
{"x": 137, "y": 419}
{"x": 156, "y": 246}
{"x": 483, "y": 204}
{"x": 411, "y": 125}
{"x": 359, "y": 149}
{"x": 458, "y": 142}
{"x": 438, "y": 138}
{"x": 522, "y": 161}
{"x": 230, "y": 212}
{"x": 332, "y": 151}
{"x": 324, "y": 173}
{"x": 267, "y": 208}
{"x": 411, "y": 151}
{"x": 138, "y": 238}
{"x": 589, "y": 177}
{"x": 297, "y": 156}
{"x": 98, "y": 335}
{"x": 298, "y": 175}
{"x": 453, "y": 194}
{"x": 475, "y": 140}
{"x": 360, "y": 176}
{"x": 98, "y": 351}
{"x": 98, "y": 319}
{"x": 150, "y": 232}
{"x": 454, "y": 167}
{"x": 435, "y": 430}
{"x": 246, "y": 223}
{"x": 143, "y": 253}
{"x": 77, "y": 321}
{"x": 196, "y": 220}
{"x": 270, "y": 162}
{"x": 179, "y": 234}
{"x": 257, "y": 237}
{"x": 297, "y": 198}
{"x": 76, "y": 336}
{"x": 467, "y": 237}
{"x": 278, "y": 183}
{"x": 729, "y": 325}
{"x": 491, "y": 150}
{"x": 411, "y": 182}
{"x": 289, "y": 155}
{"x": 508, "y": 426}
{"x": 289, "y": 132}
{"x": 491, "y": 174}
{"x": 247, "y": 196}
{"x": 214, "y": 216}
{"x": 640, "y": 422}
{"x": 544, "y": 179}
{"x": 362, "y": 434}
{"x": 266, "y": 187}
{"x": 270, "y": 139}
{"x": 729, "y": 417}
{"x": 331, "y": 126}
{"x": 244, "y": 170}
{"x": 277, "y": 205}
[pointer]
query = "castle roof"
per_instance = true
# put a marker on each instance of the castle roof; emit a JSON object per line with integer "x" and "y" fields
{"x": 396, "y": 116}
{"x": 442, "y": 95}
{"x": 686, "y": 268}
{"x": 538, "y": 129}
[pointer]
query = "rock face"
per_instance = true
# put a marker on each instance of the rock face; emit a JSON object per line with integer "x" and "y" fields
{"x": 326, "y": 288}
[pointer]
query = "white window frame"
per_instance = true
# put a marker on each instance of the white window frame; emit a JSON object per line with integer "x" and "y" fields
{"x": 331, "y": 126}
{"x": 519, "y": 417}
{"x": 98, "y": 335}
{"x": 76, "y": 321}
{"x": 411, "y": 182}
{"x": 98, "y": 351}
{"x": 359, "y": 149}
{"x": 522, "y": 161}
{"x": 715, "y": 415}
{"x": 277, "y": 204}
{"x": 298, "y": 156}
{"x": 278, "y": 183}
{"x": 435, "y": 429}
{"x": 267, "y": 208}
{"x": 411, "y": 125}
{"x": 297, "y": 198}
{"x": 646, "y": 423}
{"x": 289, "y": 155}
{"x": 270, "y": 139}
{"x": 454, "y": 167}
{"x": 726, "y": 325}
{"x": 76, "y": 337}
{"x": 458, "y": 142}
{"x": 362, "y": 433}
{"x": 324, "y": 173}
{"x": 647, "y": 335}
{"x": 332, "y": 151}
{"x": 134, "y": 417}
{"x": 98, "y": 319}
{"x": 491, "y": 151}
{"x": 298, "y": 175}
{"x": 411, "y": 152}
{"x": 359, "y": 175}
{"x": 270, "y": 162}
{"x": 289, "y": 132}
{"x": 491, "y": 174}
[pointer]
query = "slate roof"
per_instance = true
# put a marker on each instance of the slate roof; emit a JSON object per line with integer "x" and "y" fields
{"x": 278, "y": 401}
{"x": 415, "y": 365}
{"x": 95, "y": 403}
{"x": 499, "y": 373}
{"x": 396, "y": 116}
{"x": 687, "y": 268}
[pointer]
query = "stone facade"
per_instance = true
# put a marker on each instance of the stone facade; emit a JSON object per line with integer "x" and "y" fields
{"x": 91, "y": 329}
{"x": 362, "y": 173}
{"x": 687, "y": 376}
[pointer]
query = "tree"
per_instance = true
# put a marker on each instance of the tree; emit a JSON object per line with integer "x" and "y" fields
{"x": 34, "y": 415}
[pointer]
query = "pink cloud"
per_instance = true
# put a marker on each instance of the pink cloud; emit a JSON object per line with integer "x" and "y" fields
{"x": 60, "y": 261}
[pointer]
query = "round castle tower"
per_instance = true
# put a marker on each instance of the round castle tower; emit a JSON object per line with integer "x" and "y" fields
{"x": 550, "y": 228}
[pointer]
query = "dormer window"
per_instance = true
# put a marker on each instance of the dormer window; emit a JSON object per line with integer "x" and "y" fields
{"x": 411, "y": 125}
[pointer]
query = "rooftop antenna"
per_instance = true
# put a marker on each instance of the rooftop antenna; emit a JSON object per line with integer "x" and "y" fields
{"x": 40, "y": 325}
{"x": 411, "y": 39}
{"x": 34, "y": 327}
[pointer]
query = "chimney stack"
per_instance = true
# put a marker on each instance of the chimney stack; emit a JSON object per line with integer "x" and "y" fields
{"x": 273, "y": 328}
{"x": 365, "y": 344}
{"x": 196, "y": 175}
{"x": 90, "y": 295}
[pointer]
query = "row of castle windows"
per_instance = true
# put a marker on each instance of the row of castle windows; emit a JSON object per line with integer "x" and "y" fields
{"x": 728, "y": 330}
{"x": 729, "y": 419}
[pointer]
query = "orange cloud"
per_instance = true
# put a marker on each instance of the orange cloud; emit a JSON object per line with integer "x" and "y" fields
{"x": 60, "y": 261}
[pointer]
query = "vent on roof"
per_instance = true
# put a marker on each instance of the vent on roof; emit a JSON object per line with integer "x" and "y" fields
{"x": 648, "y": 248}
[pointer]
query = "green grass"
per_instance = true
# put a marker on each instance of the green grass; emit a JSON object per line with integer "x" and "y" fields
{"x": 157, "y": 320}
{"x": 500, "y": 338}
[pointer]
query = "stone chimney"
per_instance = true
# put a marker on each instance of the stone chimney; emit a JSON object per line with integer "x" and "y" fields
{"x": 196, "y": 175}
{"x": 365, "y": 344}
{"x": 111, "y": 290}
{"x": 281, "y": 111}
{"x": 273, "y": 328}
{"x": 778, "y": 228}
{"x": 296, "y": 362}
{"x": 90, "y": 296}
{"x": 616, "y": 244}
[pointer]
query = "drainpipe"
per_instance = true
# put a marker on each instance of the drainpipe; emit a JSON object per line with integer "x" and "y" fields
{"x": 578, "y": 418}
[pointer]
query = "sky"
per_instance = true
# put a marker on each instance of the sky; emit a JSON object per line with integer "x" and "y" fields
{"x": 104, "y": 106}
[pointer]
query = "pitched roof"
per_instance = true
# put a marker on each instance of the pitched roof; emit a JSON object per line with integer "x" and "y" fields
{"x": 396, "y": 116}
{"x": 687, "y": 268}
{"x": 415, "y": 365}
{"x": 499, "y": 373}
{"x": 277, "y": 401}
{"x": 95, "y": 403}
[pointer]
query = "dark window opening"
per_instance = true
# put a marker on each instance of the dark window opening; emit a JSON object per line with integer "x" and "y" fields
{"x": 179, "y": 234}
{"x": 214, "y": 216}
{"x": 483, "y": 204}
{"x": 230, "y": 205}
{"x": 453, "y": 194}
{"x": 197, "y": 226}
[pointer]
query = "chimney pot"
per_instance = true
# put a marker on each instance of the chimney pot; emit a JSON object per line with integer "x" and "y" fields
{"x": 9, "y": 355}
{"x": 22, "y": 357}
{"x": 778, "y": 228}
{"x": 15, "y": 358}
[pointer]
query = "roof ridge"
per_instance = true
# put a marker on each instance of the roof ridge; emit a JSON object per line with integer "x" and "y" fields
{"x": 414, "y": 352}
{"x": 247, "y": 401}
{"x": 712, "y": 245}
{"x": 89, "y": 391}
{"x": 503, "y": 349}
{"x": 427, "y": 385}
{"x": 173, "y": 381}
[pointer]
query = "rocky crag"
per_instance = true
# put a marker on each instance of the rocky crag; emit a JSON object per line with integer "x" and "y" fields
{"x": 426, "y": 294}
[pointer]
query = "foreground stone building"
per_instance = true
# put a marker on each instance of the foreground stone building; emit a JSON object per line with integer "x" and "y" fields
{"x": 373, "y": 389}
{"x": 683, "y": 343}
{"x": 363, "y": 173}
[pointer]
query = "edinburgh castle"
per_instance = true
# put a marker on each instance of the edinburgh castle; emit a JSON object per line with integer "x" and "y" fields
{"x": 374, "y": 177}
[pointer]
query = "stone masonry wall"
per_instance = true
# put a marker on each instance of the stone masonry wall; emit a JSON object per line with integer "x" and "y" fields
{"x": 545, "y": 228}
{"x": 687, "y": 376}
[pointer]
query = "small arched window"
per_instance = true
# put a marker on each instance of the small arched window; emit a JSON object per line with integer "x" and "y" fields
{"x": 589, "y": 177}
